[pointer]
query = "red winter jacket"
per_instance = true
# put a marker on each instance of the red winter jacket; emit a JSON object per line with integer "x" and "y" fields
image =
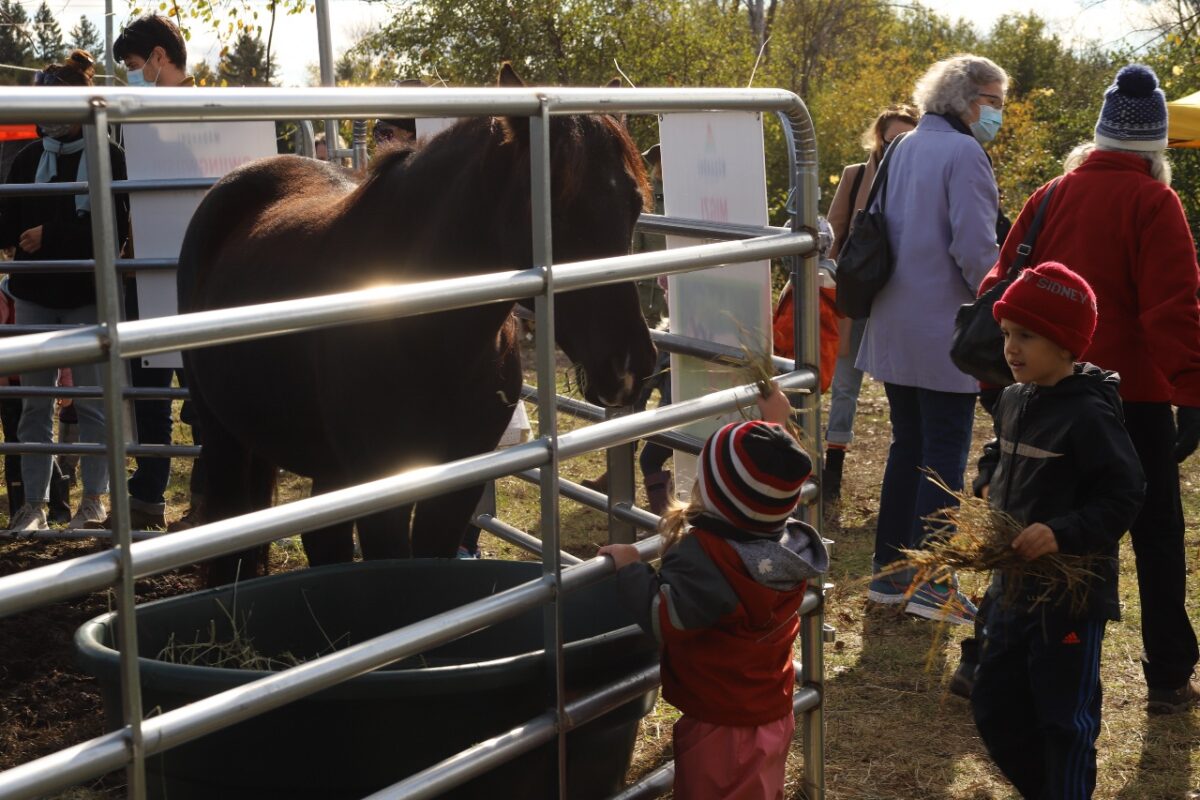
{"x": 725, "y": 613}
{"x": 1127, "y": 235}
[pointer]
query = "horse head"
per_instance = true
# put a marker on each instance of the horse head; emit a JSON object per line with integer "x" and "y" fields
{"x": 598, "y": 190}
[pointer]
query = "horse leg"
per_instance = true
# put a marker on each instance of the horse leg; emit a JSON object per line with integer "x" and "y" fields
{"x": 385, "y": 535}
{"x": 236, "y": 482}
{"x": 440, "y": 521}
{"x": 331, "y": 545}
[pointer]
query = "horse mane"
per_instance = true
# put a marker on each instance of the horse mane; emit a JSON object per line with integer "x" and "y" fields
{"x": 569, "y": 146}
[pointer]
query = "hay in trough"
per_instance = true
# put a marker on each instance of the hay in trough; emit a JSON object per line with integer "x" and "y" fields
{"x": 974, "y": 537}
{"x": 238, "y": 650}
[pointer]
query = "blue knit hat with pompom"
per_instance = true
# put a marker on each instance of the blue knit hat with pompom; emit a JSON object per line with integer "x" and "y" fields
{"x": 1134, "y": 116}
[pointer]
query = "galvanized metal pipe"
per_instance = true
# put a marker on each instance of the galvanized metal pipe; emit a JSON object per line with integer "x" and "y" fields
{"x": 124, "y": 266}
{"x": 230, "y": 325}
{"x": 125, "y": 104}
{"x": 485, "y": 756}
{"x": 108, "y": 304}
{"x": 173, "y": 728}
{"x": 88, "y": 449}
{"x": 703, "y": 228}
{"x": 518, "y": 537}
{"x": 121, "y": 187}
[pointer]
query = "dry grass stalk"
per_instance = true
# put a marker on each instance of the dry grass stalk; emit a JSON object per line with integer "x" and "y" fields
{"x": 236, "y": 652}
{"x": 759, "y": 369}
{"x": 974, "y": 537}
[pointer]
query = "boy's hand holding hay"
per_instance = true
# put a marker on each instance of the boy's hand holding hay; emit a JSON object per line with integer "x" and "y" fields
{"x": 974, "y": 537}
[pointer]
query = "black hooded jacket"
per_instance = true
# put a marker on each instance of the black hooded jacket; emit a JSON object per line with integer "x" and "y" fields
{"x": 1065, "y": 460}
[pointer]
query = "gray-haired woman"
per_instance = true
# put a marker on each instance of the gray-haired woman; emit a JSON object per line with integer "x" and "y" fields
{"x": 941, "y": 207}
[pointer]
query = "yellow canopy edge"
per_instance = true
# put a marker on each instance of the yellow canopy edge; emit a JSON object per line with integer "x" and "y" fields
{"x": 1183, "y": 121}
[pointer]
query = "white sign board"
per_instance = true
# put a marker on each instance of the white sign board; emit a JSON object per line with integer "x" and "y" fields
{"x": 431, "y": 126}
{"x": 179, "y": 150}
{"x": 714, "y": 169}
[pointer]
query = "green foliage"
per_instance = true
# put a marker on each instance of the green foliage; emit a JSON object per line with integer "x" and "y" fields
{"x": 48, "y": 44}
{"x": 86, "y": 36}
{"x": 16, "y": 42}
{"x": 245, "y": 64}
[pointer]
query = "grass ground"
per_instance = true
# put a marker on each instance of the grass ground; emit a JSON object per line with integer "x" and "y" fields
{"x": 893, "y": 731}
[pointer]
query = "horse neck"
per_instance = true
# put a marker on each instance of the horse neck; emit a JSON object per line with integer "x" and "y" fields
{"x": 450, "y": 208}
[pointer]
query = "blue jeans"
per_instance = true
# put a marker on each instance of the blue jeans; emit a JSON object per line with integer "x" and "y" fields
{"x": 930, "y": 431}
{"x": 847, "y": 383}
{"x": 37, "y": 413}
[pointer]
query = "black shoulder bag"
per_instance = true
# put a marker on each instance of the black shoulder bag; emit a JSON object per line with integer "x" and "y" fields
{"x": 978, "y": 345}
{"x": 865, "y": 260}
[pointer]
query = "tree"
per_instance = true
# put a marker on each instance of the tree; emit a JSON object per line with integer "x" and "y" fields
{"x": 16, "y": 43}
{"x": 85, "y": 36}
{"x": 245, "y": 64}
{"x": 205, "y": 75}
{"x": 48, "y": 44}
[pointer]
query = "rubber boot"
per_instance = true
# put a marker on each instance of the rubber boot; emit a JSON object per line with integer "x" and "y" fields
{"x": 658, "y": 491}
{"x": 597, "y": 484}
{"x": 963, "y": 681}
{"x": 831, "y": 477}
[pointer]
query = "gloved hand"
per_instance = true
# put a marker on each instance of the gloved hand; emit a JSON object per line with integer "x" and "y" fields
{"x": 1187, "y": 436}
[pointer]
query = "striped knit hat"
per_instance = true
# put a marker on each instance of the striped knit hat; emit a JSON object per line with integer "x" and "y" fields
{"x": 751, "y": 474}
{"x": 1134, "y": 115}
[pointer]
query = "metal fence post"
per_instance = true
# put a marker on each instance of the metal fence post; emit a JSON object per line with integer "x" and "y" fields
{"x": 621, "y": 487}
{"x": 801, "y": 135}
{"x": 540, "y": 194}
{"x": 108, "y": 306}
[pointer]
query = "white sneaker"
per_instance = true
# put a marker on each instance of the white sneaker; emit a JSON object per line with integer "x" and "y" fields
{"x": 29, "y": 518}
{"x": 91, "y": 514}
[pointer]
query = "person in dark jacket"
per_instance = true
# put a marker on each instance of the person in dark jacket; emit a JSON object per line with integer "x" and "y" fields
{"x": 47, "y": 228}
{"x": 1115, "y": 219}
{"x": 724, "y": 607}
{"x": 1067, "y": 470}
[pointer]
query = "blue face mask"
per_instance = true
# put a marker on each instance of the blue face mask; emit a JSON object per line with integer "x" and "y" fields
{"x": 988, "y": 125}
{"x": 135, "y": 78}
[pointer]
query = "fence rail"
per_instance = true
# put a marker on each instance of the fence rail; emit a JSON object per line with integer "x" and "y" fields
{"x": 111, "y": 342}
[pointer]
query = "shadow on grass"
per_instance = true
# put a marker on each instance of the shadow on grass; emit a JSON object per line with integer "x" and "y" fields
{"x": 1164, "y": 767}
{"x": 894, "y": 731}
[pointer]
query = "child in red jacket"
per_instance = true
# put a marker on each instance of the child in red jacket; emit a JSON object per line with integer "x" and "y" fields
{"x": 724, "y": 607}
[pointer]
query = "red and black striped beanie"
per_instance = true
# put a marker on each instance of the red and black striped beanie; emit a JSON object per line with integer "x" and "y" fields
{"x": 750, "y": 475}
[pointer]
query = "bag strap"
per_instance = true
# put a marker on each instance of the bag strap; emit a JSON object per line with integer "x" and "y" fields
{"x": 1025, "y": 248}
{"x": 858, "y": 179}
{"x": 879, "y": 182}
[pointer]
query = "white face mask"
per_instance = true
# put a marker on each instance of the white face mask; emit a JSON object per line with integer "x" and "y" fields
{"x": 137, "y": 77}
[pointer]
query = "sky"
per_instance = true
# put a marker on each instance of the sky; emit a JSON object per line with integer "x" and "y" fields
{"x": 1076, "y": 21}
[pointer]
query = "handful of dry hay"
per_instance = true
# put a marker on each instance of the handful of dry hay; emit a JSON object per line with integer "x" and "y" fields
{"x": 759, "y": 369}
{"x": 974, "y": 537}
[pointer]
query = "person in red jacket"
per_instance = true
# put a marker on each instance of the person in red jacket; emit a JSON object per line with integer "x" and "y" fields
{"x": 724, "y": 607}
{"x": 1115, "y": 220}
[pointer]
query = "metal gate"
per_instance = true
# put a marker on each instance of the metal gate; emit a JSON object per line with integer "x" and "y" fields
{"x": 110, "y": 342}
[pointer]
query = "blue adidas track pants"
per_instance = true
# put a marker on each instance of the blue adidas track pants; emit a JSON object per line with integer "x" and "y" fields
{"x": 1037, "y": 700}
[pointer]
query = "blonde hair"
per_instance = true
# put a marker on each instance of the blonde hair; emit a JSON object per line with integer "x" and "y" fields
{"x": 673, "y": 525}
{"x": 1160, "y": 167}
{"x": 872, "y": 138}
{"x": 949, "y": 86}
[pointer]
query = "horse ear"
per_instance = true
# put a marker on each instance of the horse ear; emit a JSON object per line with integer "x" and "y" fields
{"x": 508, "y": 76}
{"x": 620, "y": 117}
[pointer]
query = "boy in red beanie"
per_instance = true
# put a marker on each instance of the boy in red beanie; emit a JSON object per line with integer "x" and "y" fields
{"x": 1067, "y": 470}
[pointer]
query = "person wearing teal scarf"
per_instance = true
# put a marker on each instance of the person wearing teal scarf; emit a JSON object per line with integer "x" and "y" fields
{"x": 54, "y": 227}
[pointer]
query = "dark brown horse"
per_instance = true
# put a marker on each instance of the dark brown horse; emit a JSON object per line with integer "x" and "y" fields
{"x": 356, "y": 403}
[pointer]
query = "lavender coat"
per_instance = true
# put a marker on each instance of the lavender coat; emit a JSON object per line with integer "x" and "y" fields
{"x": 941, "y": 208}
